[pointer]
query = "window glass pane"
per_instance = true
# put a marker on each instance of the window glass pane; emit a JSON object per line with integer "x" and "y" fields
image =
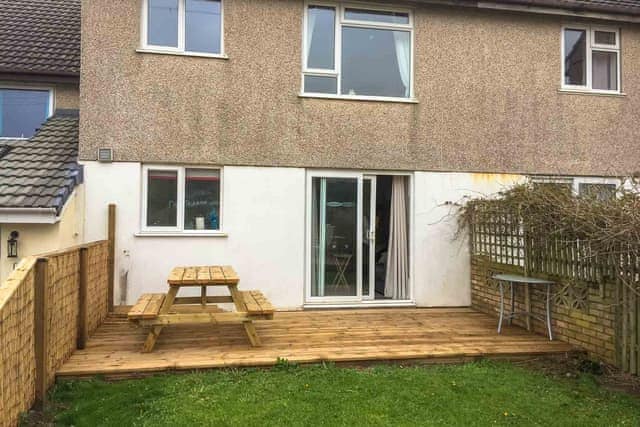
{"x": 320, "y": 84}
{"x": 388, "y": 17}
{"x": 162, "y": 196}
{"x": 22, "y": 111}
{"x": 321, "y": 37}
{"x": 203, "y": 27}
{"x": 600, "y": 192}
{"x": 605, "y": 70}
{"x": 575, "y": 58}
{"x": 605, "y": 37}
{"x": 375, "y": 62}
{"x": 163, "y": 23}
{"x": 202, "y": 199}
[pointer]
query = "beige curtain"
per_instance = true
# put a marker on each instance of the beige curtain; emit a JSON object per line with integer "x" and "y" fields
{"x": 397, "y": 280}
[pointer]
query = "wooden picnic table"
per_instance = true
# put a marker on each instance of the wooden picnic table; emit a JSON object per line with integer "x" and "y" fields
{"x": 159, "y": 310}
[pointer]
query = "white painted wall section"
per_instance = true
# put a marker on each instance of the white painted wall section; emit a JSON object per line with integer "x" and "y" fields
{"x": 441, "y": 264}
{"x": 262, "y": 216}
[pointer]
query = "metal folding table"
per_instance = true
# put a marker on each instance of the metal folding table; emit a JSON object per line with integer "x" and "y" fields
{"x": 515, "y": 279}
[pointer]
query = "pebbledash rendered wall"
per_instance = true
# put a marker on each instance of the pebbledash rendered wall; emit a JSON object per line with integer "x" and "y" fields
{"x": 486, "y": 84}
{"x": 263, "y": 225}
{"x": 591, "y": 327}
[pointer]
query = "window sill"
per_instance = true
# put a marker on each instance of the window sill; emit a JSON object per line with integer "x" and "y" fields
{"x": 359, "y": 98}
{"x": 591, "y": 92}
{"x": 180, "y": 234}
{"x": 178, "y": 53}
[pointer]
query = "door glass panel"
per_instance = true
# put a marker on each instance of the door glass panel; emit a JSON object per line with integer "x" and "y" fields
{"x": 334, "y": 237}
{"x": 366, "y": 233}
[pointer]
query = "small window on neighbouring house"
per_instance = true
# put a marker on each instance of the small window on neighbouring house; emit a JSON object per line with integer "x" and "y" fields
{"x": 357, "y": 52}
{"x": 600, "y": 192}
{"x": 591, "y": 59}
{"x": 184, "y": 25}
{"x": 22, "y": 111}
{"x": 182, "y": 199}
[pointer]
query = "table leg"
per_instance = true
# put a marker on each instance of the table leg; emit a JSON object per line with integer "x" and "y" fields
{"x": 527, "y": 305}
{"x": 513, "y": 304}
{"x": 549, "y": 312}
{"x": 203, "y": 296}
{"x": 249, "y": 327}
{"x": 501, "y": 306}
{"x": 154, "y": 333}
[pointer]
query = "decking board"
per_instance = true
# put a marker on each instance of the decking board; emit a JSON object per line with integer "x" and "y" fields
{"x": 429, "y": 335}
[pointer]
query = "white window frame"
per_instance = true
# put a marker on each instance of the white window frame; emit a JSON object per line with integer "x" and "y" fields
{"x": 616, "y": 182}
{"x": 50, "y": 108}
{"x": 337, "y": 63}
{"x": 180, "y": 201}
{"x": 590, "y": 47}
{"x": 180, "y": 50}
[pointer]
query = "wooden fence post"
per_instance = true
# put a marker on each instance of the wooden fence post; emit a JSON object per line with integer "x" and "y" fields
{"x": 111, "y": 236}
{"x": 83, "y": 332}
{"x": 41, "y": 330}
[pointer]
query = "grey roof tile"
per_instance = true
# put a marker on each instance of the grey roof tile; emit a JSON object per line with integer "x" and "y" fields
{"x": 40, "y": 36}
{"x": 44, "y": 180}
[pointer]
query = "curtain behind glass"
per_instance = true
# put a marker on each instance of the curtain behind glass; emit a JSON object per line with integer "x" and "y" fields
{"x": 396, "y": 283}
{"x": 403, "y": 55}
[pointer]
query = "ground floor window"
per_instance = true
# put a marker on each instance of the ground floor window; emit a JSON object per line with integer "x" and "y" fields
{"x": 181, "y": 199}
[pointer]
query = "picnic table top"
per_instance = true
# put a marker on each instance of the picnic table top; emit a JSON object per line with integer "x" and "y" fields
{"x": 213, "y": 275}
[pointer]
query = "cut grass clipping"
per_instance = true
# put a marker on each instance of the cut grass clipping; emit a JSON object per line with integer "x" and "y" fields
{"x": 472, "y": 394}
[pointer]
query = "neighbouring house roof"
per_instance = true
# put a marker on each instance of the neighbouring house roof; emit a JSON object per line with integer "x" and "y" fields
{"x": 42, "y": 171}
{"x": 40, "y": 36}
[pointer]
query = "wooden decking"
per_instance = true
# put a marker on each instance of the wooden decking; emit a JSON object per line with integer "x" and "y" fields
{"x": 426, "y": 335}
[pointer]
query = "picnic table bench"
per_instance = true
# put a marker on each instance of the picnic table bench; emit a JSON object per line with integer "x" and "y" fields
{"x": 159, "y": 310}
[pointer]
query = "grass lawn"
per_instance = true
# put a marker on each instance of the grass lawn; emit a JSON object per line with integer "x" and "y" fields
{"x": 472, "y": 394}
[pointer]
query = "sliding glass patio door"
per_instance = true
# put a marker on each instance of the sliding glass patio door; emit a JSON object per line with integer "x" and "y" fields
{"x": 342, "y": 237}
{"x": 335, "y": 250}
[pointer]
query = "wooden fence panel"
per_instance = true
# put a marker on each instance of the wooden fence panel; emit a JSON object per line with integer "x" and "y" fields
{"x": 63, "y": 281}
{"x": 46, "y": 322}
{"x": 17, "y": 352}
{"x": 97, "y": 284}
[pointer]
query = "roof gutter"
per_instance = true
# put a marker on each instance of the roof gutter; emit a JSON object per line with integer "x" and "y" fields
{"x": 28, "y": 216}
{"x": 525, "y": 6}
{"x": 545, "y": 7}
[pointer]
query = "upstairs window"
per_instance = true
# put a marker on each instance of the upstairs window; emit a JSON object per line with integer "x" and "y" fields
{"x": 188, "y": 26}
{"x": 180, "y": 199}
{"x": 591, "y": 59}
{"x": 22, "y": 111}
{"x": 357, "y": 52}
